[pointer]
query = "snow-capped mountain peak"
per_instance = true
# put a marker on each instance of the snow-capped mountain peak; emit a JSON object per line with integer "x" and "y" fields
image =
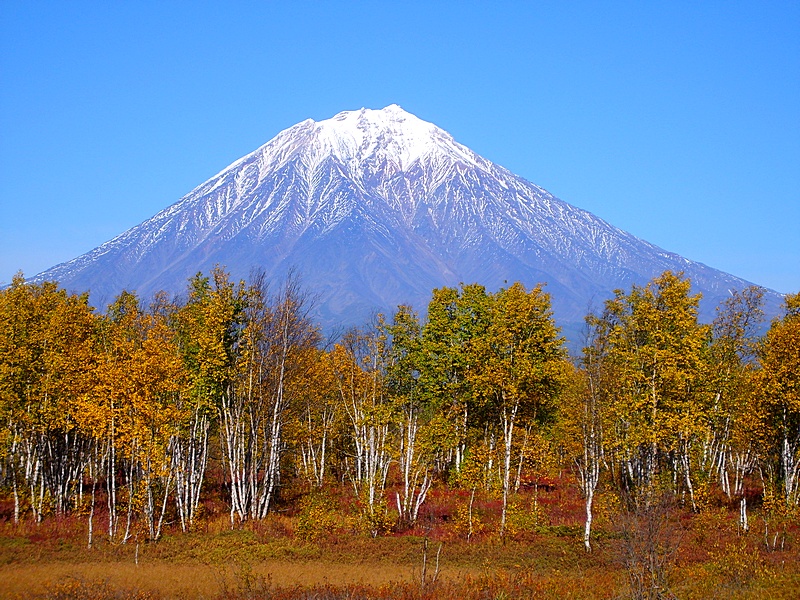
{"x": 366, "y": 136}
{"x": 397, "y": 135}
{"x": 376, "y": 208}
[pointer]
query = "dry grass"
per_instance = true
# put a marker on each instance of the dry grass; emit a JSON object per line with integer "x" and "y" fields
{"x": 274, "y": 559}
{"x": 165, "y": 580}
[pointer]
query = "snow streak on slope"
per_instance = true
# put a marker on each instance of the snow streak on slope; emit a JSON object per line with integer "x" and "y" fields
{"x": 376, "y": 208}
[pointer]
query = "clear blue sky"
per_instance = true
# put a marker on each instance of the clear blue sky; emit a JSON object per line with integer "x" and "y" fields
{"x": 676, "y": 121}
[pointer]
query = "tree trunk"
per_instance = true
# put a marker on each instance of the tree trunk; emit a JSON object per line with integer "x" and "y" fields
{"x": 587, "y": 529}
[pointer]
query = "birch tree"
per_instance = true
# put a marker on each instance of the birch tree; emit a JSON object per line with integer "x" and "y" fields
{"x": 207, "y": 328}
{"x": 583, "y": 418}
{"x": 275, "y": 335}
{"x": 455, "y": 319}
{"x": 654, "y": 346}
{"x": 359, "y": 366}
{"x": 780, "y": 395}
{"x": 138, "y": 394}
{"x": 47, "y": 357}
{"x": 316, "y": 418}
{"x": 729, "y": 453}
{"x": 520, "y": 366}
{"x": 421, "y": 431}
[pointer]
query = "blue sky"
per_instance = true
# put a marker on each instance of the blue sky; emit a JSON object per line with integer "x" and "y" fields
{"x": 676, "y": 121}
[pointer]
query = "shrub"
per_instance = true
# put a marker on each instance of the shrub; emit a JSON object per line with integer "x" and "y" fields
{"x": 318, "y": 518}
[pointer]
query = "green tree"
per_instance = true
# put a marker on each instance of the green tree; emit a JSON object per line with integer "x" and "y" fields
{"x": 207, "y": 329}
{"x": 422, "y": 433}
{"x": 455, "y": 319}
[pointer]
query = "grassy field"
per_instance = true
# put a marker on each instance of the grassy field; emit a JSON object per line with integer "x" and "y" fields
{"x": 701, "y": 555}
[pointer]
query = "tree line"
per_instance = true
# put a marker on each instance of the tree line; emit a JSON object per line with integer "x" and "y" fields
{"x": 119, "y": 415}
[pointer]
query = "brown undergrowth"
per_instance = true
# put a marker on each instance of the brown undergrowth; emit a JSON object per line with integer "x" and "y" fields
{"x": 316, "y": 548}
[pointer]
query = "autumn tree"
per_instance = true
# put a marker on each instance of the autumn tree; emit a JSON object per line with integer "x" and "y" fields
{"x": 359, "y": 365}
{"x": 779, "y": 395}
{"x": 731, "y": 449}
{"x": 316, "y": 422}
{"x": 582, "y": 420}
{"x": 654, "y": 346}
{"x": 271, "y": 349}
{"x": 47, "y": 357}
{"x": 519, "y": 366}
{"x": 135, "y": 410}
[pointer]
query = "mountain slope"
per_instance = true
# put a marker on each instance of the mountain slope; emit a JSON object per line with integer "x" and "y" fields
{"x": 375, "y": 208}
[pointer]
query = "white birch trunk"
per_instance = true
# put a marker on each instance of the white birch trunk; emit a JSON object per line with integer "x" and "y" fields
{"x": 508, "y": 418}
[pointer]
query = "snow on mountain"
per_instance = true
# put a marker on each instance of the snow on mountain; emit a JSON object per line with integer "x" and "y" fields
{"x": 375, "y": 208}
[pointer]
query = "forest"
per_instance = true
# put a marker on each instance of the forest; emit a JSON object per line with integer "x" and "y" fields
{"x": 228, "y": 410}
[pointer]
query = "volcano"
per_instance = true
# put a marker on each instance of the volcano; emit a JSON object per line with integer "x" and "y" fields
{"x": 374, "y": 208}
